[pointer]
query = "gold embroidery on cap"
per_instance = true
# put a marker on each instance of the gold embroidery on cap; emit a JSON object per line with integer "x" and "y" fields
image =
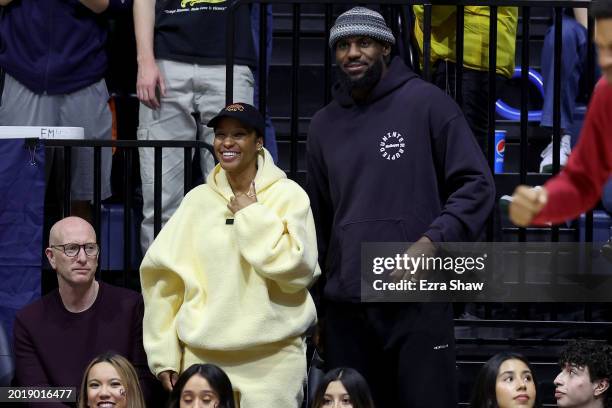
{"x": 235, "y": 107}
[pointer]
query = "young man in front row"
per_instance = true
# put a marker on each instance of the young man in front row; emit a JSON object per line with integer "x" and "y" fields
{"x": 584, "y": 380}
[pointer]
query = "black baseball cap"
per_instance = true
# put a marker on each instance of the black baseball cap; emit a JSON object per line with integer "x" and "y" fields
{"x": 245, "y": 113}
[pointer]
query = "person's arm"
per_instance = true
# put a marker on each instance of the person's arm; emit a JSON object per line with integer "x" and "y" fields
{"x": 578, "y": 187}
{"x": 162, "y": 291}
{"x": 5, "y": 2}
{"x": 317, "y": 186}
{"x": 149, "y": 78}
{"x": 582, "y": 16}
{"x": 28, "y": 367}
{"x": 280, "y": 246}
{"x": 29, "y": 371}
{"x": 97, "y": 6}
{"x": 138, "y": 357}
{"x": 465, "y": 180}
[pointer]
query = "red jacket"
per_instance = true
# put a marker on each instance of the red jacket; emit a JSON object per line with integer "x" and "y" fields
{"x": 578, "y": 187}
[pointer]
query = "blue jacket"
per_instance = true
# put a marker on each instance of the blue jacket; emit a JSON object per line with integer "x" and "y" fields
{"x": 55, "y": 46}
{"x": 401, "y": 165}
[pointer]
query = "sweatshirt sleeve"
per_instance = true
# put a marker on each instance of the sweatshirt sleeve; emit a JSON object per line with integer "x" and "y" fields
{"x": 280, "y": 246}
{"x": 162, "y": 292}
{"x": 138, "y": 357}
{"x": 29, "y": 371}
{"x": 466, "y": 185}
{"x": 28, "y": 368}
{"x": 578, "y": 187}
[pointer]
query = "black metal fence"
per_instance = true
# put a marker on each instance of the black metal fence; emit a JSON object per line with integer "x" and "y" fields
{"x": 127, "y": 149}
{"x": 397, "y": 13}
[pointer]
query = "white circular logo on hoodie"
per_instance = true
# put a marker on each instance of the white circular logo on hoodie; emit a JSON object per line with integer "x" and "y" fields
{"x": 392, "y": 145}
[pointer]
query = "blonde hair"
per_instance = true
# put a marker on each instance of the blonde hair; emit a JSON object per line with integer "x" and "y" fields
{"x": 126, "y": 372}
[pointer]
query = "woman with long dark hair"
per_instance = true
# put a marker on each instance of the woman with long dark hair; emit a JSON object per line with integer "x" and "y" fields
{"x": 343, "y": 387}
{"x": 505, "y": 381}
{"x": 204, "y": 382}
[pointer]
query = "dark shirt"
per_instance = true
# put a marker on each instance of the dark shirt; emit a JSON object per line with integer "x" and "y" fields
{"x": 55, "y": 46}
{"x": 195, "y": 32}
{"x": 54, "y": 346}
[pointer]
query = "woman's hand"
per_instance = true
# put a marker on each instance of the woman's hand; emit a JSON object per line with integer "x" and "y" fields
{"x": 240, "y": 201}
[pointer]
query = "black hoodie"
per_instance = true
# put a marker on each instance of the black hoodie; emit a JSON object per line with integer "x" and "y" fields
{"x": 398, "y": 166}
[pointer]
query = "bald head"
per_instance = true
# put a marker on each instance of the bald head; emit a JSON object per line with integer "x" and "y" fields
{"x": 71, "y": 229}
{"x": 74, "y": 270}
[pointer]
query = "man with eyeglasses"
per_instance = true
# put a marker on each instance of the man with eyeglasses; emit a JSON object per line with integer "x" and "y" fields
{"x": 57, "y": 335}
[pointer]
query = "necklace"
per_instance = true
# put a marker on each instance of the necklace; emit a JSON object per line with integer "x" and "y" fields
{"x": 249, "y": 193}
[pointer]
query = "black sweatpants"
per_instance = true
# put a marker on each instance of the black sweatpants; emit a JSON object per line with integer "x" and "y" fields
{"x": 405, "y": 351}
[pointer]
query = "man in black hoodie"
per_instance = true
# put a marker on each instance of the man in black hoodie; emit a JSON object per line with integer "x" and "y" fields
{"x": 390, "y": 159}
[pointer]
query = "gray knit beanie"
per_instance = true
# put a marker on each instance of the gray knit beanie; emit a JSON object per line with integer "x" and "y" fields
{"x": 360, "y": 21}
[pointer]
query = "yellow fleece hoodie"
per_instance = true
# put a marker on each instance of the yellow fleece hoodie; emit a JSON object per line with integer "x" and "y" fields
{"x": 210, "y": 285}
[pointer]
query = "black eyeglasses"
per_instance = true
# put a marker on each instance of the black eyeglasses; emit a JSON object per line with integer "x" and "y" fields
{"x": 72, "y": 250}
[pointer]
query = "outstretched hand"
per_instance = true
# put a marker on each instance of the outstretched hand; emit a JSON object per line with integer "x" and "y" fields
{"x": 526, "y": 204}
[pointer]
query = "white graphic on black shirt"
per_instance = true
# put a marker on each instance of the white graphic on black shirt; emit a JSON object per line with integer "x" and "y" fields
{"x": 392, "y": 145}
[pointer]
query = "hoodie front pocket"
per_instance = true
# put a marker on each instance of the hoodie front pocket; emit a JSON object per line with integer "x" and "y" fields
{"x": 350, "y": 238}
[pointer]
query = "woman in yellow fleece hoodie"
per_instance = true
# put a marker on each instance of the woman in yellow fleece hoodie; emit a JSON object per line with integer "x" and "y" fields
{"x": 226, "y": 280}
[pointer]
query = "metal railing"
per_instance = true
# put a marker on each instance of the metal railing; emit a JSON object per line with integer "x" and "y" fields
{"x": 126, "y": 148}
{"x": 396, "y": 9}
